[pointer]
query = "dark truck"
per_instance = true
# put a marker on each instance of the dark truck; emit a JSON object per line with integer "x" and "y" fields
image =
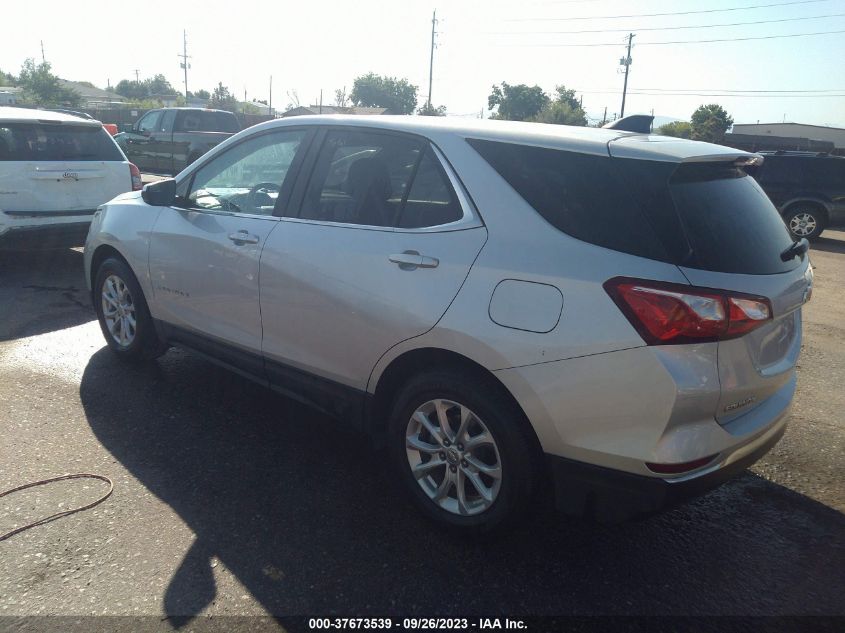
{"x": 166, "y": 140}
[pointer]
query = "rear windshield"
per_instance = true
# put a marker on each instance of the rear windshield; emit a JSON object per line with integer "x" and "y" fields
{"x": 206, "y": 121}
{"x": 730, "y": 223}
{"x": 56, "y": 142}
{"x": 710, "y": 216}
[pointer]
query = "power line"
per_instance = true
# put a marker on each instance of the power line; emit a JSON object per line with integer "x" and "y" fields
{"x": 738, "y": 90}
{"x": 725, "y": 39}
{"x": 711, "y": 94}
{"x": 669, "y": 28}
{"x": 654, "y": 15}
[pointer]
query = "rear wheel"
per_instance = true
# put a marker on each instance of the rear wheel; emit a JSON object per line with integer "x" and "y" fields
{"x": 805, "y": 220}
{"x": 461, "y": 450}
{"x": 123, "y": 313}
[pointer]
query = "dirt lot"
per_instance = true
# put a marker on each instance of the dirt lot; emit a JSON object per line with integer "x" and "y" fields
{"x": 230, "y": 500}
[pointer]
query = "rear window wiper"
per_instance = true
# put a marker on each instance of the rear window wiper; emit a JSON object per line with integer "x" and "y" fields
{"x": 797, "y": 248}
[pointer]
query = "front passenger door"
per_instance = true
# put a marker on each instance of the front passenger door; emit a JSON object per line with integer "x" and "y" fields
{"x": 138, "y": 141}
{"x": 204, "y": 254}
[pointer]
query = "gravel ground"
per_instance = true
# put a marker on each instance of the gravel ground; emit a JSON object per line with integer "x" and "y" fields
{"x": 231, "y": 500}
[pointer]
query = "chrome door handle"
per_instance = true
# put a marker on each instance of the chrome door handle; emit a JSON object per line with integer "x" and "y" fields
{"x": 409, "y": 260}
{"x": 243, "y": 237}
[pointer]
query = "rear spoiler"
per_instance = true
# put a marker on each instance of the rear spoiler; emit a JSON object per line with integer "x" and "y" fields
{"x": 678, "y": 150}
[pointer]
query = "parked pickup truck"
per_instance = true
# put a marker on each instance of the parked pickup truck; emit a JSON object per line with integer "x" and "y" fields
{"x": 167, "y": 140}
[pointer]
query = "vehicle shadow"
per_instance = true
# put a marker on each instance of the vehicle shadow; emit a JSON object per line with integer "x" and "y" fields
{"x": 311, "y": 522}
{"x": 828, "y": 245}
{"x": 42, "y": 291}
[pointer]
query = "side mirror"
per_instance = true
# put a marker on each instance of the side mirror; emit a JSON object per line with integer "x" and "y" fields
{"x": 160, "y": 194}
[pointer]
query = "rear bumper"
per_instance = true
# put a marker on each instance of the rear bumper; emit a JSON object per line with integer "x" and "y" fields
{"x": 609, "y": 495}
{"x": 45, "y": 236}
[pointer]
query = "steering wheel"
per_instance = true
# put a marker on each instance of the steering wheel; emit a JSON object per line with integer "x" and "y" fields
{"x": 262, "y": 189}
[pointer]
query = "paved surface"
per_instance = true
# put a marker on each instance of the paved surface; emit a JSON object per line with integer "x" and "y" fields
{"x": 232, "y": 500}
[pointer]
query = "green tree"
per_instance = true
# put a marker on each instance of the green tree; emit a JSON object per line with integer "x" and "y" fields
{"x": 709, "y": 123}
{"x": 131, "y": 89}
{"x": 517, "y": 103}
{"x": 567, "y": 96}
{"x": 8, "y": 79}
{"x": 679, "y": 129}
{"x": 561, "y": 113}
{"x": 563, "y": 109}
{"x": 430, "y": 110}
{"x": 41, "y": 87}
{"x": 158, "y": 85}
{"x": 222, "y": 99}
{"x": 375, "y": 91}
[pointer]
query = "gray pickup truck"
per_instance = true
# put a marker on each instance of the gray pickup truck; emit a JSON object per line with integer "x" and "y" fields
{"x": 166, "y": 140}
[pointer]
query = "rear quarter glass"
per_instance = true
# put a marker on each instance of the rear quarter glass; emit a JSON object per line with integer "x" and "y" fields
{"x": 706, "y": 215}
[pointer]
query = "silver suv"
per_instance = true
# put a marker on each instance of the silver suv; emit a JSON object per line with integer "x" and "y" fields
{"x": 496, "y": 303}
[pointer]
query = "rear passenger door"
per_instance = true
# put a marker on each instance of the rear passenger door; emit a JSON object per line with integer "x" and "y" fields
{"x": 383, "y": 239}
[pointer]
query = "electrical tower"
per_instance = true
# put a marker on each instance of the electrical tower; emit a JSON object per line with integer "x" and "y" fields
{"x": 185, "y": 57}
{"x": 431, "y": 58}
{"x": 626, "y": 62}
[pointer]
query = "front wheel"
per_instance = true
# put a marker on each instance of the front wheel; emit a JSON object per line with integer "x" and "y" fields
{"x": 123, "y": 313}
{"x": 804, "y": 221}
{"x": 462, "y": 451}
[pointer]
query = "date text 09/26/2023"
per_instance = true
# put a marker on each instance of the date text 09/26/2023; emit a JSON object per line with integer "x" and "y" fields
{"x": 417, "y": 624}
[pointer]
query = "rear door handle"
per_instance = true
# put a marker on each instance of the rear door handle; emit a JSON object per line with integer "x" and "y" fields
{"x": 409, "y": 260}
{"x": 243, "y": 237}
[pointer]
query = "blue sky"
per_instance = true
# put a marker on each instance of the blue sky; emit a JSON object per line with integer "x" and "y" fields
{"x": 324, "y": 45}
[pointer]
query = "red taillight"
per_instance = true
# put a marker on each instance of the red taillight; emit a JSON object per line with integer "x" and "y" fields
{"x": 665, "y": 313}
{"x": 135, "y": 174}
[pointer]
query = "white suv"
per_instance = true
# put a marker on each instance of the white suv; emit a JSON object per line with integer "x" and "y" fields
{"x": 495, "y": 301}
{"x": 55, "y": 170}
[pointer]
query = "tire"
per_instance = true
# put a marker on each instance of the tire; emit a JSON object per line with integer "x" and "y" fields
{"x": 124, "y": 299}
{"x": 805, "y": 220}
{"x": 490, "y": 411}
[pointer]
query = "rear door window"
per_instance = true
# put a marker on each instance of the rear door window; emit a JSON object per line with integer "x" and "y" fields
{"x": 780, "y": 170}
{"x": 206, "y": 121}
{"x": 826, "y": 172}
{"x": 431, "y": 201}
{"x": 361, "y": 178}
{"x": 56, "y": 142}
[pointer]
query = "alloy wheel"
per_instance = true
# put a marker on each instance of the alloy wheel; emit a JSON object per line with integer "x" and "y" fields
{"x": 454, "y": 457}
{"x": 118, "y": 310}
{"x": 802, "y": 224}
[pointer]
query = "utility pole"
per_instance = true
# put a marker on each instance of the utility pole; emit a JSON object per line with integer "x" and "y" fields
{"x": 604, "y": 118}
{"x": 185, "y": 57}
{"x": 137, "y": 77}
{"x": 43, "y": 58}
{"x": 626, "y": 62}
{"x": 321, "y": 101}
{"x": 270, "y": 106}
{"x": 431, "y": 57}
